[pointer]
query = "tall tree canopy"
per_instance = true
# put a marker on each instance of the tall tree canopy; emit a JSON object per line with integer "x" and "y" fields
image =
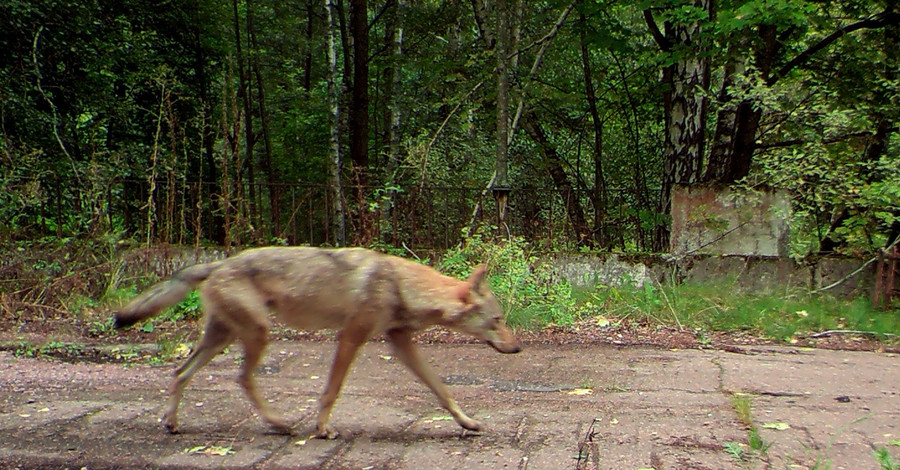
{"x": 196, "y": 121}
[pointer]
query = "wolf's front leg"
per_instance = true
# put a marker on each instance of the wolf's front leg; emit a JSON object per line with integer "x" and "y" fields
{"x": 349, "y": 342}
{"x": 406, "y": 351}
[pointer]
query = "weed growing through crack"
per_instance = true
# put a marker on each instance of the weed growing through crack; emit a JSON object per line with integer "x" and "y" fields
{"x": 743, "y": 407}
{"x": 756, "y": 441}
{"x": 820, "y": 464}
{"x": 741, "y": 404}
{"x": 735, "y": 450}
{"x": 885, "y": 462}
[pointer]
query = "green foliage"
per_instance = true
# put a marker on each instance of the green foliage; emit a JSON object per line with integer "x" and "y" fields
{"x": 735, "y": 450}
{"x": 884, "y": 459}
{"x": 52, "y": 349}
{"x": 188, "y": 309}
{"x": 104, "y": 97}
{"x": 529, "y": 292}
{"x": 756, "y": 441}
{"x": 101, "y": 327}
{"x": 742, "y": 406}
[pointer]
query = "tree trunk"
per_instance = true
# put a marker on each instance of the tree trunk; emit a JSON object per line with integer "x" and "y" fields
{"x": 722, "y": 148}
{"x": 335, "y": 191}
{"x": 395, "y": 90}
{"x": 266, "y": 160}
{"x": 684, "y": 106}
{"x": 500, "y": 187}
{"x": 390, "y": 84}
{"x": 554, "y": 164}
{"x": 310, "y": 37}
{"x": 599, "y": 194}
{"x": 359, "y": 100}
{"x": 206, "y": 171}
{"x": 243, "y": 169}
{"x": 392, "y": 81}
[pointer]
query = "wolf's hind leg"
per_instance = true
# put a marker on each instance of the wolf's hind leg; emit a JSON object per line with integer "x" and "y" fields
{"x": 401, "y": 339}
{"x": 254, "y": 340}
{"x": 216, "y": 337}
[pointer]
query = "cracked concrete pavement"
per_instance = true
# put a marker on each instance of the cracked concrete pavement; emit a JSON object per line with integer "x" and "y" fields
{"x": 549, "y": 407}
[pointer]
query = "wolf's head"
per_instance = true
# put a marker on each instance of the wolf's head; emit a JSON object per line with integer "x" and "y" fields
{"x": 482, "y": 316}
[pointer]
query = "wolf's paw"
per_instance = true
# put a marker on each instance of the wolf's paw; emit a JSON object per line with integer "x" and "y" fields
{"x": 281, "y": 427}
{"x": 327, "y": 433}
{"x": 469, "y": 424}
{"x": 171, "y": 424}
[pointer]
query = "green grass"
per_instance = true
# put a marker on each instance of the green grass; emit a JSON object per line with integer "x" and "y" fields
{"x": 721, "y": 307}
{"x": 885, "y": 462}
{"x": 533, "y": 297}
{"x": 741, "y": 404}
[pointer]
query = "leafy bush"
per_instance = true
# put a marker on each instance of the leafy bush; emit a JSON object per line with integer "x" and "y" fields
{"x": 190, "y": 308}
{"x": 526, "y": 287}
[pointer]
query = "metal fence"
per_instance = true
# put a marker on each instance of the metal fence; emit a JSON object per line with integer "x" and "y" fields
{"x": 427, "y": 218}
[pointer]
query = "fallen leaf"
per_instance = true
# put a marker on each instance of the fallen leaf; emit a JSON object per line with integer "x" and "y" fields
{"x": 301, "y": 442}
{"x": 385, "y": 357}
{"x": 777, "y": 426}
{"x": 218, "y": 450}
{"x": 581, "y": 391}
{"x": 182, "y": 350}
{"x": 601, "y": 321}
{"x": 439, "y": 418}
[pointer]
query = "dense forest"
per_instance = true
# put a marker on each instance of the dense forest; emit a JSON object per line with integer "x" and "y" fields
{"x": 394, "y": 122}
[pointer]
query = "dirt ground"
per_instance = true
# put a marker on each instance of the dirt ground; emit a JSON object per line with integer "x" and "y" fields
{"x": 631, "y": 397}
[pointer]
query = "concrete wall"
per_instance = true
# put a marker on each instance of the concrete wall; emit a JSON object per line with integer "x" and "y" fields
{"x": 721, "y": 221}
{"x": 744, "y": 273}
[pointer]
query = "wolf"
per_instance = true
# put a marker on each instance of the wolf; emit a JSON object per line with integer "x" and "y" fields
{"x": 356, "y": 291}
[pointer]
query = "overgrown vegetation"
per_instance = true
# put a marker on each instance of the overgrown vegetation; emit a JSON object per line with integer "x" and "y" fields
{"x": 535, "y": 297}
{"x": 526, "y": 286}
{"x": 71, "y": 284}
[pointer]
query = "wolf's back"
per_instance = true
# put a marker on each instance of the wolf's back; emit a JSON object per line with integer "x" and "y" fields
{"x": 165, "y": 294}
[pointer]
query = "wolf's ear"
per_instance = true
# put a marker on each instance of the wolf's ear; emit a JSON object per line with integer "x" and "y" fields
{"x": 469, "y": 290}
{"x": 477, "y": 277}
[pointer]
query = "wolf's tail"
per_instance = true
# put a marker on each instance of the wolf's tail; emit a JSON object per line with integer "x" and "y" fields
{"x": 165, "y": 294}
